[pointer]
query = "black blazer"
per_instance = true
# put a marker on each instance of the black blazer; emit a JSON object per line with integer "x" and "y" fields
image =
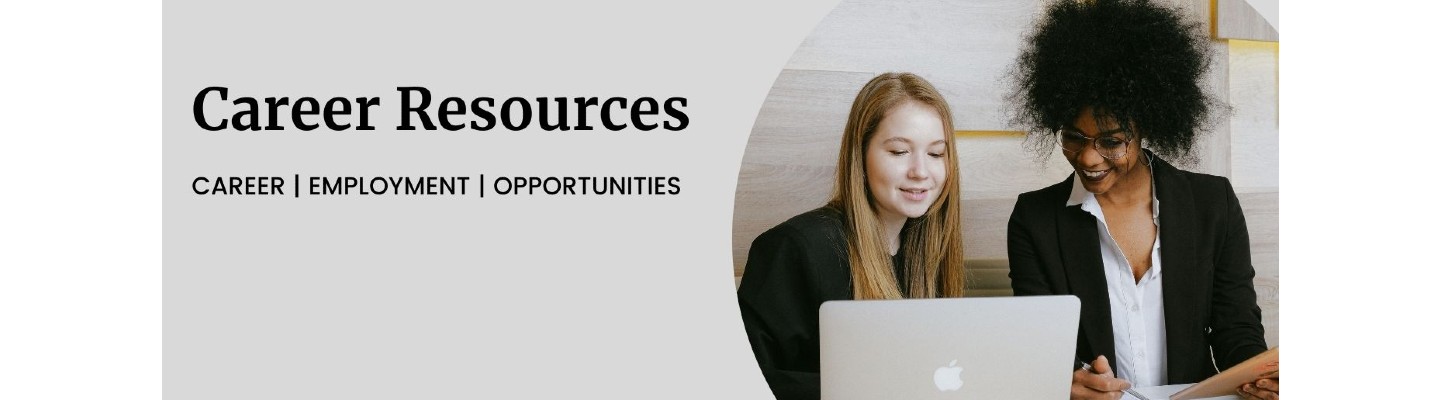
{"x": 792, "y": 268}
{"x": 1205, "y": 252}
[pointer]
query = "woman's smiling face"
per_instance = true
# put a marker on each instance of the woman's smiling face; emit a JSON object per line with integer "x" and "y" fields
{"x": 1096, "y": 172}
{"x": 905, "y": 166}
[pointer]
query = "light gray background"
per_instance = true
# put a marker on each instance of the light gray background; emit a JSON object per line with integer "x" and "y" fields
{"x": 448, "y": 297}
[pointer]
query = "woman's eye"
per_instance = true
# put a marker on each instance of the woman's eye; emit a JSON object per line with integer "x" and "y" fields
{"x": 937, "y": 155}
{"x": 899, "y": 152}
{"x": 1110, "y": 142}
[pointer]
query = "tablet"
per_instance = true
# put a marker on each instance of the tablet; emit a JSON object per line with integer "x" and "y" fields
{"x": 1261, "y": 365}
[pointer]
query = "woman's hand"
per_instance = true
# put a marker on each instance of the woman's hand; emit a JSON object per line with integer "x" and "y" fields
{"x": 1097, "y": 383}
{"x": 1265, "y": 388}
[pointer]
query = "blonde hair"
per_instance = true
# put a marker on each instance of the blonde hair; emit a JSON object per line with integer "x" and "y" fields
{"x": 934, "y": 259}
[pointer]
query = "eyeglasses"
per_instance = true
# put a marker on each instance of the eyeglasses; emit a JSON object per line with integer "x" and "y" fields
{"x": 1109, "y": 146}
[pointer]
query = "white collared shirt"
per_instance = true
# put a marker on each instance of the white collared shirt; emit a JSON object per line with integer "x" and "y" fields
{"x": 1137, "y": 310}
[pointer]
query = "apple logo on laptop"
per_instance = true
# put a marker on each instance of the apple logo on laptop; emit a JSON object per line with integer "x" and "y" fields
{"x": 948, "y": 378}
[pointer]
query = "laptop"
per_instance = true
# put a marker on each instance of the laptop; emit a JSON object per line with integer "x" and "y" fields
{"x": 967, "y": 348}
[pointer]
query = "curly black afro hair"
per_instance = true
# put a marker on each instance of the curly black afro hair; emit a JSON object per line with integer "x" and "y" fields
{"x": 1137, "y": 63}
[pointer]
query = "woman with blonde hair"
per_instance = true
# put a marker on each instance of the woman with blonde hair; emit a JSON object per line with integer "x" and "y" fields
{"x": 891, "y": 230}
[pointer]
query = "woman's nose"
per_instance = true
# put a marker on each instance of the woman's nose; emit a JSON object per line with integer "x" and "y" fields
{"x": 1089, "y": 155}
{"x": 919, "y": 167}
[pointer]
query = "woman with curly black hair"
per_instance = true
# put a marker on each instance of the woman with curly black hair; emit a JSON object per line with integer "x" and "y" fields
{"x": 1159, "y": 257}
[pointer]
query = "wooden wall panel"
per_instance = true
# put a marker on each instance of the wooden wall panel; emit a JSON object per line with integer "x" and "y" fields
{"x": 1236, "y": 19}
{"x": 983, "y": 224}
{"x": 771, "y": 194}
{"x": 1212, "y": 150}
{"x": 1262, "y": 217}
{"x": 1001, "y": 167}
{"x": 963, "y": 47}
{"x": 1255, "y": 122}
{"x": 801, "y": 121}
{"x": 789, "y": 163}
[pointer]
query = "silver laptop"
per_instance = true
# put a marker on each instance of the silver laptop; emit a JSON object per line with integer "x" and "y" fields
{"x": 969, "y": 348}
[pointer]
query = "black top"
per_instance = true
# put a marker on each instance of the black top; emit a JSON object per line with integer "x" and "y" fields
{"x": 1208, "y": 290}
{"x": 792, "y": 269}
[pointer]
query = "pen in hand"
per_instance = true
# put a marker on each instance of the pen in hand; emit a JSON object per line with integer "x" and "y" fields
{"x": 1131, "y": 391}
